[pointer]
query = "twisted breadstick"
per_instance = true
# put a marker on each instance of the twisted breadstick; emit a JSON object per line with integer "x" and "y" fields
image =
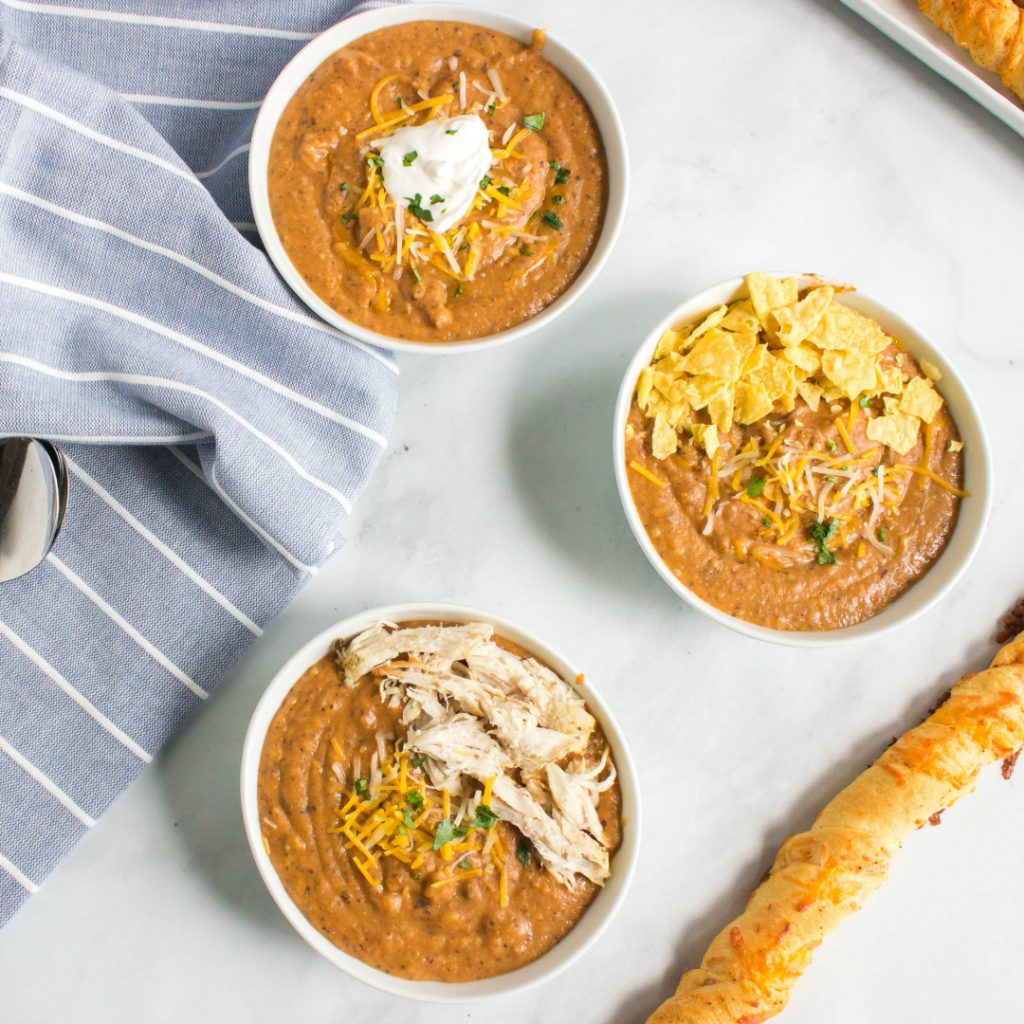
{"x": 823, "y": 875}
{"x": 992, "y": 30}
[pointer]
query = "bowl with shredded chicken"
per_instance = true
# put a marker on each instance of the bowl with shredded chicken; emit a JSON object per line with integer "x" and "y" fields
{"x": 440, "y": 803}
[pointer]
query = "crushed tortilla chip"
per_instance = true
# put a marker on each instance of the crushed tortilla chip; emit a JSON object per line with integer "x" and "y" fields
{"x": 706, "y": 437}
{"x": 930, "y": 370}
{"x": 768, "y": 293}
{"x": 792, "y": 324}
{"x": 955, "y": 446}
{"x": 921, "y": 399}
{"x": 671, "y": 341}
{"x": 803, "y": 356}
{"x": 810, "y": 393}
{"x": 664, "y": 440}
{"x": 720, "y": 354}
{"x": 752, "y": 402}
{"x": 852, "y": 372}
{"x": 897, "y": 431}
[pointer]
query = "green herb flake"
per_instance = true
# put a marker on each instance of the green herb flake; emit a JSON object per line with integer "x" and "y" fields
{"x": 882, "y": 534}
{"x": 418, "y": 761}
{"x": 346, "y": 217}
{"x": 416, "y": 274}
{"x": 864, "y": 402}
{"x": 458, "y": 289}
{"x": 363, "y": 788}
{"x": 464, "y": 247}
{"x": 446, "y": 833}
{"x": 552, "y": 220}
{"x": 485, "y": 181}
{"x": 557, "y": 199}
{"x": 523, "y": 853}
{"x": 377, "y": 161}
{"x": 833, "y": 447}
{"x": 343, "y": 186}
{"x": 409, "y": 158}
{"x": 831, "y": 479}
{"x": 755, "y": 487}
{"x": 451, "y": 131}
{"x": 525, "y": 250}
{"x": 464, "y": 864}
{"x": 534, "y": 121}
{"x": 414, "y": 798}
{"x": 504, "y": 190}
{"x": 407, "y": 818}
{"x": 402, "y": 830}
{"x": 490, "y": 110}
{"x": 562, "y": 175}
{"x": 821, "y": 533}
{"x": 416, "y": 208}
{"x": 435, "y": 199}
{"x": 416, "y": 876}
{"x": 766, "y": 520}
{"x": 485, "y": 818}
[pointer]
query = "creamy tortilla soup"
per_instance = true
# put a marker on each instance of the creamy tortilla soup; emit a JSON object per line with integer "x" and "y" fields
{"x": 438, "y": 181}
{"x": 437, "y": 803}
{"x": 792, "y": 464}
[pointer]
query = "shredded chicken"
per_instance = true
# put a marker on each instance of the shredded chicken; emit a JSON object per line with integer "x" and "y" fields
{"x": 477, "y": 712}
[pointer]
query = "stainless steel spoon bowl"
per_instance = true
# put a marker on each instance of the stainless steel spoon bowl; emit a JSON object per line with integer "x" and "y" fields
{"x": 33, "y": 500}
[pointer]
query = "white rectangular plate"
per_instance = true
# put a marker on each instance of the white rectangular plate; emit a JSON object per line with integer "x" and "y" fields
{"x": 902, "y": 22}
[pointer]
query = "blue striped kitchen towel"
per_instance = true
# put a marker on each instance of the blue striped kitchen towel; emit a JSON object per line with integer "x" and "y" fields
{"x": 216, "y": 433}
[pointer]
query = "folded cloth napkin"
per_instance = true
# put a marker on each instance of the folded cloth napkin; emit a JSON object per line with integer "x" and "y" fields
{"x": 216, "y": 432}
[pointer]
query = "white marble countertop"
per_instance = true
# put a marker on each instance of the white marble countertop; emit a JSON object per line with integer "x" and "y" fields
{"x": 783, "y": 134}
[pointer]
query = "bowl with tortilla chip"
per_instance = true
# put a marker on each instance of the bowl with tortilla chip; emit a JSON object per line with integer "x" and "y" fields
{"x": 799, "y": 462}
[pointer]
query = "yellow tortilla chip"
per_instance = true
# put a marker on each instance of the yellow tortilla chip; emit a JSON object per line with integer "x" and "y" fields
{"x": 706, "y": 436}
{"x": 678, "y": 415}
{"x": 921, "y": 399}
{"x": 792, "y": 324}
{"x": 955, "y": 446}
{"x": 741, "y": 318}
{"x": 852, "y": 372}
{"x": 844, "y": 328}
{"x": 803, "y": 356}
{"x": 671, "y": 341}
{"x": 777, "y": 376}
{"x": 897, "y": 431}
{"x": 664, "y": 440}
{"x": 720, "y": 354}
{"x": 930, "y": 370}
{"x": 673, "y": 388}
{"x": 700, "y": 390}
{"x": 720, "y": 408}
{"x": 752, "y": 403}
{"x": 713, "y": 319}
{"x": 643, "y": 387}
{"x": 810, "y": 393}
{"x": 892, "y": 405}
{"x": 755, "y": 360}
{"x": 768, "y": 293}
{"x": 890, "y": 380}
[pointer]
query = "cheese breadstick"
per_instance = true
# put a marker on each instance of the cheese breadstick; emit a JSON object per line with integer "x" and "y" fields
{"x": 823, "y": 875}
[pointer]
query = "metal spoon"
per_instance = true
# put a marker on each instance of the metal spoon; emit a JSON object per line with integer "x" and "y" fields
{"x": 33, "y": 500}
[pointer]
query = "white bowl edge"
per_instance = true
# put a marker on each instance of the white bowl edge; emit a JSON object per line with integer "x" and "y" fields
{"x": 973, "y": 515}
{"x": 595, "y": 919}
{"x": 575, "y": 68}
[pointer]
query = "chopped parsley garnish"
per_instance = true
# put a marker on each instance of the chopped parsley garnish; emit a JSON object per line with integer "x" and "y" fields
{"x": 523, "y": 853}
{"x": 562, "y": 175}
{"x": 766, "y": 520}
{"x": 464, "y": 247}
{"x": 343, "y": 186}
{"x": 418, "y": 761}
{"x": 503, "y": 189}
{"x": 451, "y": 131}
{"x": 534, "y": 121}
{"x": 882, "y": 534}
{"x": 406, "y": 818}
{"x": 377, "y": 161}
{"x": 552, "y": 220}
{"x": 831, "y": 479}
{"x": 485, "y": 181}
{"x": 490, "y": 109}
{"x": 755, "y": 487}
{"x": 416, "y": 876}
{"x": 555, "y": 200}
{"x": 458, "y": 288}
{"x": 525, "y": 250}
{"x": 485, "y": 817}
{"x": 864, "y": 402}
{"x": 833, "y": 447}
{"x": 407, "y": 160}
{"x": 821, "y": 533}
{"x": 416, "y": 209}
{"x": 464, "y": 864}
{"x": 414, "y": 799}
{"x": 363, "y": 788}
{"x": 400, "y": 101}
{"x": 345, "y": 217}
{"x": 416, "y": 274}
{"x": 446, "y": 833}
{"x": 435, "y": 199}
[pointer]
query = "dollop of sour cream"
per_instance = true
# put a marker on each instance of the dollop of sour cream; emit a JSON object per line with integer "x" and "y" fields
{"x": 441, "y": 161}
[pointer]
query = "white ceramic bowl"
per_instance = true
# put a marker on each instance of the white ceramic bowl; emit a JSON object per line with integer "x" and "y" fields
{"x": 311, "y": 56}
{"x": 597, "y": 916}
{"x": 974, "y": 511}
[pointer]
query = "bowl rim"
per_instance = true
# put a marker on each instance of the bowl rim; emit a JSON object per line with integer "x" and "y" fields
{"x": 596, "y": 918}
{"x": 978, "y": 471}
{"x": 582, "y": 75}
